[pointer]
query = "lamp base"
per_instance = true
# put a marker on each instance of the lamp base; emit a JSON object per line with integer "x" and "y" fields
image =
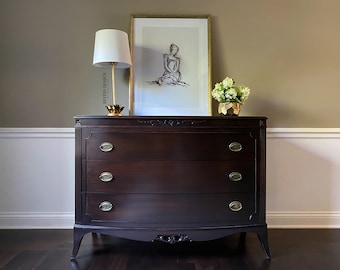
{"x": 114, "y": 110}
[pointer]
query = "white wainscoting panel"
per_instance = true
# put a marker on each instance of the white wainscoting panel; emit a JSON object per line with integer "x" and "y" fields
{"x": 303, "y": 178}
{"x": 37, "y": 178}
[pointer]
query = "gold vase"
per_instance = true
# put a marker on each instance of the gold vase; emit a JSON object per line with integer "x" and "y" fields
{"x": 229, "y": 108}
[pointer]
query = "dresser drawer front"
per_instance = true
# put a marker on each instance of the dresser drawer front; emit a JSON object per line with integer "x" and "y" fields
{"x": 175, "y": 210}
{"x": 170, "y": 146}
{"x": 170, "y": 176}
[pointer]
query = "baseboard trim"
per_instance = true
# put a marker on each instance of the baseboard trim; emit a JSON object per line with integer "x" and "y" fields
{"x": 303, "y": 220}
{"x": 288, "y": 220}
{"x": 36, "y": 220}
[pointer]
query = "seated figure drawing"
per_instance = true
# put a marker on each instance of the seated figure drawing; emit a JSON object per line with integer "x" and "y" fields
{"x": 171, "y": 63}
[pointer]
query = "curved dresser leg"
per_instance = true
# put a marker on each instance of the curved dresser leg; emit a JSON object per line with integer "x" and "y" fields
{"x": 263, "y": 237}
{"x": 78, "y": 235}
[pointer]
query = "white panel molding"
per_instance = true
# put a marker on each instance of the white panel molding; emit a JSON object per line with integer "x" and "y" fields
{"x": 36, "y": 178}
{"x": 61, "y": 216}
{"x": 302, "y": 177}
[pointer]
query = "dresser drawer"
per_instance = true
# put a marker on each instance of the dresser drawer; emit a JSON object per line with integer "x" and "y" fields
{"x": 170, "y": 146}
{"x": 170, "y": 209}
{"x": 170, "y": 176}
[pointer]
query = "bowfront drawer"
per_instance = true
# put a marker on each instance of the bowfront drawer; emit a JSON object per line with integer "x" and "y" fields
{"x": 171, "y": 209}
{"x": 170, "y": 146}
{"x": 170, "y": 176}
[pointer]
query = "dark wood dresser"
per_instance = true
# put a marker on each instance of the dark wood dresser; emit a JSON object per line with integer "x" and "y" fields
{"x": 170, "y": 179}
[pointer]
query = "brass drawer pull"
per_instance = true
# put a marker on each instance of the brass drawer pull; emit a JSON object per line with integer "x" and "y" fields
{"x": 105, "y": 206}
{"x": 235, "y": 176}
{"x": 235, "y": 147}
{"x": 106, "y": 177}
{"x": 235, "y": 206}
{"x": 106, "y": 147}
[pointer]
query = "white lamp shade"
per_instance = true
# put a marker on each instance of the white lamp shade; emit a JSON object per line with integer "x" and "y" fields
{"x": 111, "y": 46}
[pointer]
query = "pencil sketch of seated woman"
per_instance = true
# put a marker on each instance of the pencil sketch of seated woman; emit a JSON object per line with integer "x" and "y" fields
{"x": 172, "y": 74}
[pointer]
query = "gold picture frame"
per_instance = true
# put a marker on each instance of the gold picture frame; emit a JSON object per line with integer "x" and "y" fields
{"x": 171, "y": 66}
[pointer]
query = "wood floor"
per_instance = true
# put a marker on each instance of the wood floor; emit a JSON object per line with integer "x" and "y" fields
{"x": 51, "y": 250}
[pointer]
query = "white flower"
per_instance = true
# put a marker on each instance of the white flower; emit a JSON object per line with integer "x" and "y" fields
{"x": 231, "y": 94}
{"x": 245, "y": 91}
{"x": 228, "y": 82}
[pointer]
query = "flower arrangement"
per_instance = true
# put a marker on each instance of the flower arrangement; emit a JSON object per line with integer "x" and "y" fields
{"x": 230, "y": 96}
{"x": 226, "y": 91}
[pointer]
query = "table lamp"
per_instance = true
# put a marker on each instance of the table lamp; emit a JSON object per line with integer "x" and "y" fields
{"x": 111, "y": 50}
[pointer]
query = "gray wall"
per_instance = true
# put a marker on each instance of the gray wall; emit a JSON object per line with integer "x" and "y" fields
{"x": 286, "y": 51}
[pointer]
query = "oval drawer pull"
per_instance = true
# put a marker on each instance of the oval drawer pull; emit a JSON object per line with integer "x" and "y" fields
{"x": 235, "y": 176}
{"x": 106, "y": 147}
{"x": 105, "y": 206}
{"x": 235, "y": 206}
{"x": 235, "y": 147}
{"x": 106, "y": 177}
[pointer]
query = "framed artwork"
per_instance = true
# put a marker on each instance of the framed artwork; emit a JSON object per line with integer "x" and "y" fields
{"x": 171, "y": 66}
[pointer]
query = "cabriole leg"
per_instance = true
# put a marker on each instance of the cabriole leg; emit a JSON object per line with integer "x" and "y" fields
{"x": 78, "y": 235}
{"x": 263, "y": 237}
